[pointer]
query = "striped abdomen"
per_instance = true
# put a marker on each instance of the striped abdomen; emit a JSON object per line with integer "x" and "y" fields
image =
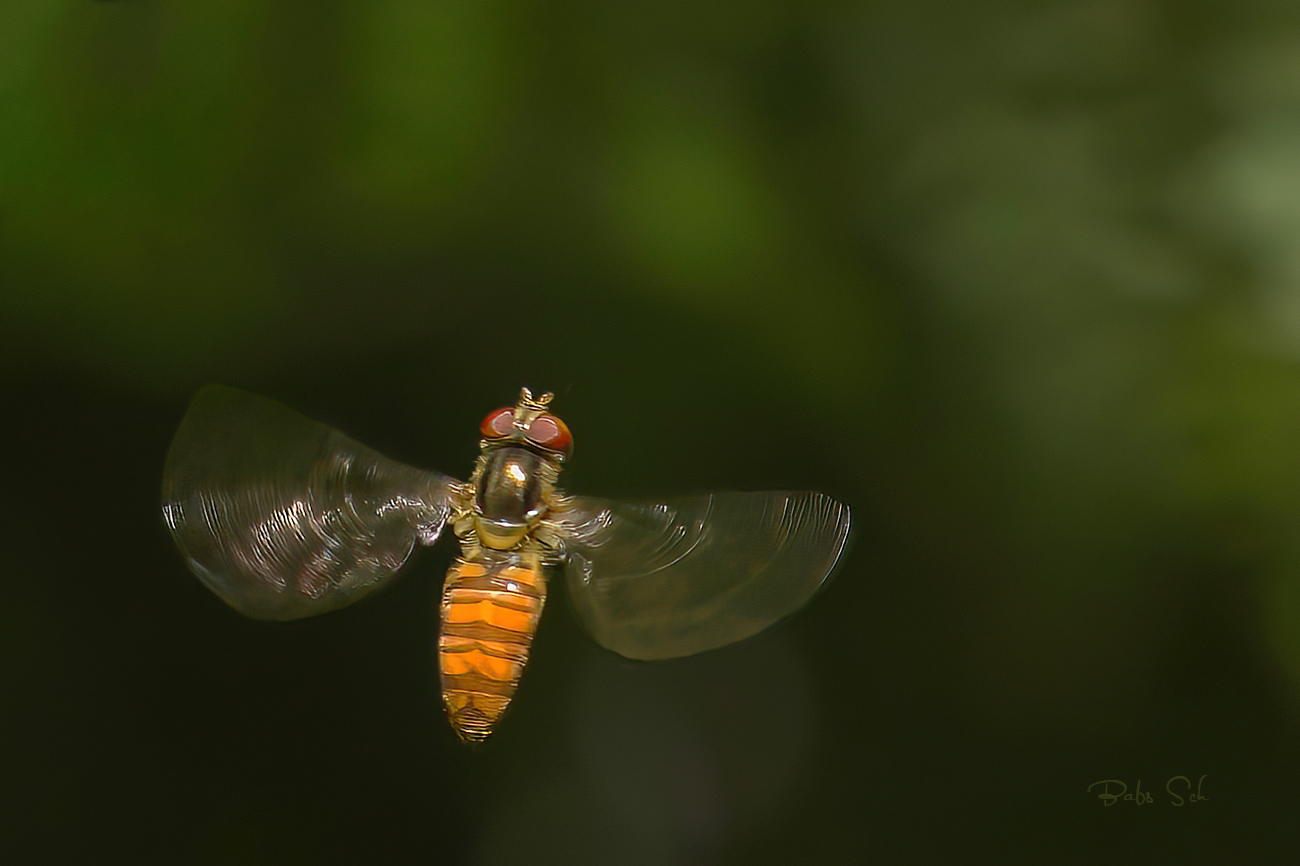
{"x": 489, "y": 614}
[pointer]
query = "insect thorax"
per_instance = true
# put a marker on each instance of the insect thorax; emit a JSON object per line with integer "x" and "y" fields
{"x": 505, "y": 503}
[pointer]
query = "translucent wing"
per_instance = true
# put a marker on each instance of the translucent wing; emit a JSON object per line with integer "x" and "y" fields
{"x": 284, "y": 517}
{"x": 662, "y": 580}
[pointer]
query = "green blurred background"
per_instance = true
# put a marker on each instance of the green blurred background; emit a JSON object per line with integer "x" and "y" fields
{"x": 1020, "y": 281}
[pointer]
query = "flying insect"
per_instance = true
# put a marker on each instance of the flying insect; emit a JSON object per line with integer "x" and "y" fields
{"x": 284, "y": 517}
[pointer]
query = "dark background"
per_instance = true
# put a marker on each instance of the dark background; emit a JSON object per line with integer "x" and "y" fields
{"x": 1020, "y": 281}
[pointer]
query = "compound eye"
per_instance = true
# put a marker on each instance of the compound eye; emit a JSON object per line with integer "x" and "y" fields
{"x": 551, "y": 433}
{"x": 498, "y": 424}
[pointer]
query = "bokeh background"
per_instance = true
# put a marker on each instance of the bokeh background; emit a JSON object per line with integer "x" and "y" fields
{"x": 1020, "y": 281}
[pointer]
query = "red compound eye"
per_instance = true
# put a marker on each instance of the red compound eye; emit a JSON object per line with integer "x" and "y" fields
{"x": 498, "y": 423}
{"x": 550, "y": 432}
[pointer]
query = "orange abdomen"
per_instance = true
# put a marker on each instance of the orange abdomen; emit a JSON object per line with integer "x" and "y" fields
{"x": 489, "y": 615}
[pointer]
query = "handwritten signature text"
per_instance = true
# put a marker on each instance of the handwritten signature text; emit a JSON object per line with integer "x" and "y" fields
{"x": 1179, "y": 789}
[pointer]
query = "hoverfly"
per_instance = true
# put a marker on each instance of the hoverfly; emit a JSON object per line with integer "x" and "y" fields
{"x": 284, "y": 517}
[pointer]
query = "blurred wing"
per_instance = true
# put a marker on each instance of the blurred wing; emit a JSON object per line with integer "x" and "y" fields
{"x": 284, "y": 517}
{"x": 662, "y": 580}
